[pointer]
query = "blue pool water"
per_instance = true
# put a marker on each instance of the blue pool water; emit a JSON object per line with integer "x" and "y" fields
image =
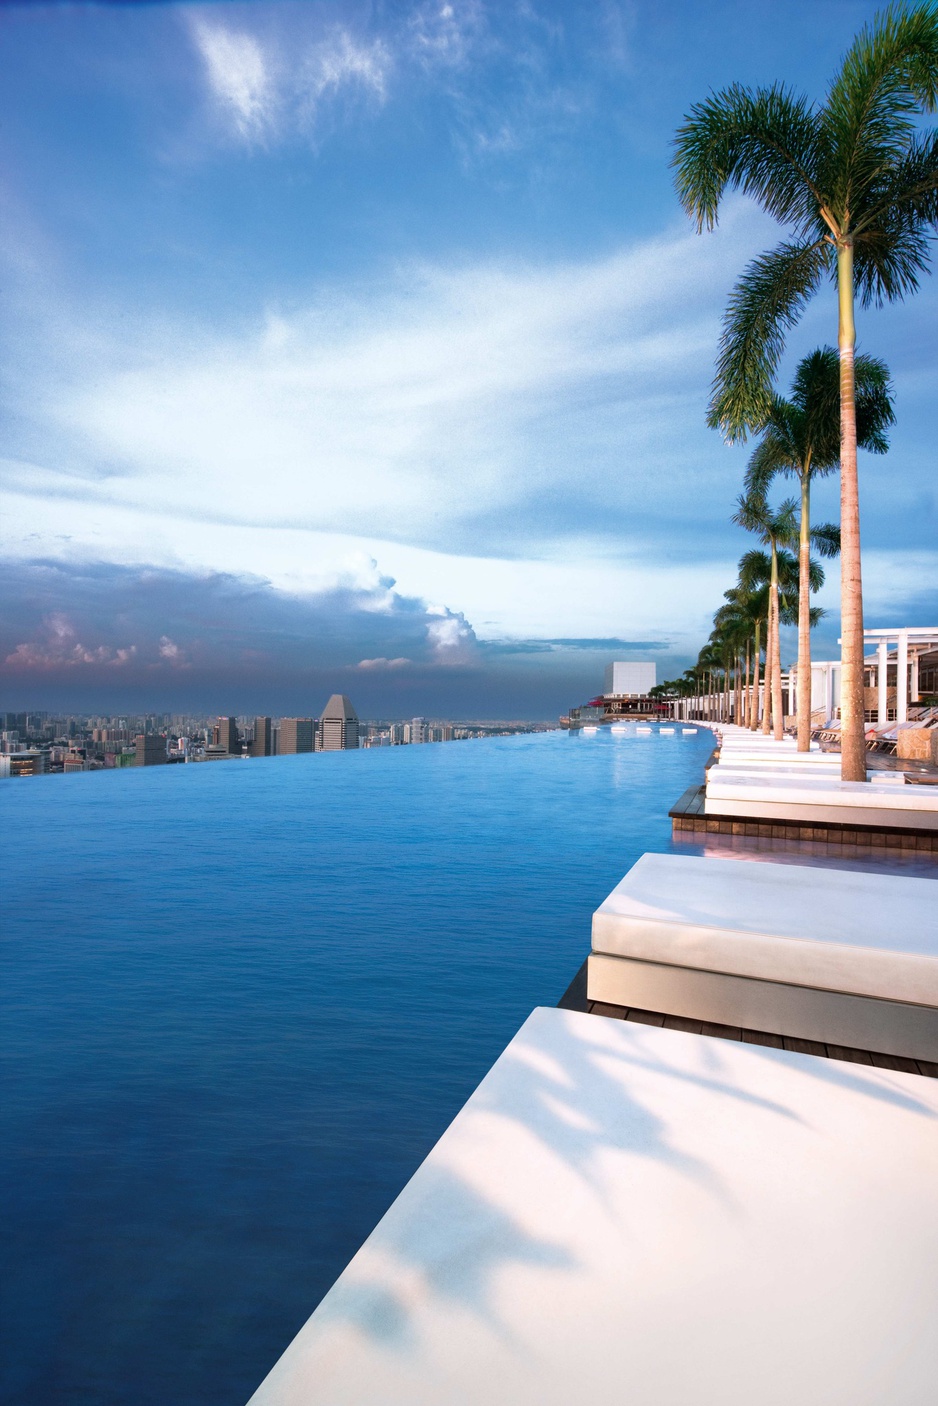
{"x": 242, "y": 1000}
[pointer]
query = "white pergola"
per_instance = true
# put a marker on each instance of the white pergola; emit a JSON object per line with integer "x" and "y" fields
{"x": 907, "y": 646}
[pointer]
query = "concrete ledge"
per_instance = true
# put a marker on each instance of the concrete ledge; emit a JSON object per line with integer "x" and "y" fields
{"x": 784, "y": 1009}
{"x": 624, "y": 1212}
{"x": 874, "y": 816}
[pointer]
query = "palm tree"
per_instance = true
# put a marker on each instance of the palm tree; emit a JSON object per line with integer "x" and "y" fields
{"x": 733, "y": 625}
{"x": 801, "y": 437}
{"x": 742, "y": 618}
{"x": 775, "y": 529}
{"x": 856, "y": 184}
{"x": 771, "y": 580}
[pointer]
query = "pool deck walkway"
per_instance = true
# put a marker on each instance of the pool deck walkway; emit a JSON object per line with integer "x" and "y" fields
{"x": 575, "y": 999}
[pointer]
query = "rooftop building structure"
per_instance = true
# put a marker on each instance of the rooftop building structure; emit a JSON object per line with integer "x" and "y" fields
{"x": 338, "y": 726}
{"x": 28, "y": 762}
{"x": 632, "y": 679}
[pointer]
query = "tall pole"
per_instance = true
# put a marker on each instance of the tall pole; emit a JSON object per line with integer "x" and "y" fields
{"x": 902, "y": 678}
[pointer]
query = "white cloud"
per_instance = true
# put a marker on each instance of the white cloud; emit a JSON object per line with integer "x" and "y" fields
{"x": 524, "y": 443}
{"x": 268, "y": 90}
{"x": 340, "y": 61}
{"x": 383, "y": 663}
{"x": 429, "y": 408}
{"x": 444, "y": 33}
{"x": 239, "y": 76}
{"x": 451, "y": 637}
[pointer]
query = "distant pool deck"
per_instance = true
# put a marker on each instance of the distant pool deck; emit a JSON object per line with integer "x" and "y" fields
{"x": 666, "y": 1206}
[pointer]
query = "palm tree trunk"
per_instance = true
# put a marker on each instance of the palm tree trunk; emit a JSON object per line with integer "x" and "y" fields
{"x": 804, "y": 614}
{"x": 852, "y": 740}
{"x": 777, "y": 719}
{"x": 754, "y": 700}
{"x": 769, "y": 664}
{"x": 744, "y": 710}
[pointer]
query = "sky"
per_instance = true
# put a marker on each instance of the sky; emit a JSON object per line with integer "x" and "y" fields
{"x": 364, "y": 347}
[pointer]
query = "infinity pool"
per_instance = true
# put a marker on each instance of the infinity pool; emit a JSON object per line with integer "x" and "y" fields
{"x": 242, "y": 1000}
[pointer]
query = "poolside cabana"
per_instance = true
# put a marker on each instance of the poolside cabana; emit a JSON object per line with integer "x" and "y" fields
{"x": 899, "y": 653}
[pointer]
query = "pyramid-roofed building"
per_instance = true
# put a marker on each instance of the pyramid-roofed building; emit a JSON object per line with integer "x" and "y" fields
{"x": 338, "y": 725}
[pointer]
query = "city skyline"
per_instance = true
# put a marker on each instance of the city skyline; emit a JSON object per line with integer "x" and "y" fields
{"x": 367, "y": 351}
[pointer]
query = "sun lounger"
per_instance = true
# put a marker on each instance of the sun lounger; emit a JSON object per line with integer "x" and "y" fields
{"x": 821, "y": 800}
{"x": 623, "y": 1213}
{"x": 820, "y": 954}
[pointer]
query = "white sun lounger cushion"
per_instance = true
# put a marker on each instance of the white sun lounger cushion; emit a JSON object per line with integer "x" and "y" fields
{"x": 832, "y": 930}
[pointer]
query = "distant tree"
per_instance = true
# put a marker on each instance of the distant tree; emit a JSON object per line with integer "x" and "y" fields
{"x": 775, "y": 528}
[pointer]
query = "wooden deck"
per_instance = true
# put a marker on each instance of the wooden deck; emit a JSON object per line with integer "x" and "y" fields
{"x": 575, "y": 999}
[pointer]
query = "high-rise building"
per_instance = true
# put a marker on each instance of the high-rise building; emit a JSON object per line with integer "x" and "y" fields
{"x": 396, "y": 734}
{"x": 260, "y": 747}
{"x": 338, "y": 726}
{"x": 296, "y": 735}
{"x": 418, "y": 730}
{"x": 151, "y": 749}
{"x": 228, "y": 735}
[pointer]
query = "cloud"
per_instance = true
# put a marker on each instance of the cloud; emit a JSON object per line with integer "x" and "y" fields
{"x": 451, "y": 638}
{"x": 104, "y": 637}
{"x": 590, "y": 646}
{"x": 56, "y": 646}
{"x": 469, "y": 408}
{"x": 266, "y": 88}
{"x": 239, "y": 77}
{"x": 447, "y": 34}
{"x": 69, "y": 616}
{"x": 340, "y": 61}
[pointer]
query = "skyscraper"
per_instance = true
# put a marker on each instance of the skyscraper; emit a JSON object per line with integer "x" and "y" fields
{"x": 151, "y": 749}
{"x": 296, "y": 735}
{"x": 228, "y": 735}
{"x": 338, "y": 726}
{"x": 260, "y": 747}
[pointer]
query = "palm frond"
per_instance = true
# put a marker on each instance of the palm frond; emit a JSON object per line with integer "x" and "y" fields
{"x": 763, "y": 142}
{"x": 815, "y": 575}
{"x": 816, "y": 392}
{"x": 909, "y": 185}
{"x": 873, "y": 397}
{"x": 776, "y": 452}
{"x": 825, "y": 538}
{"x": 765, "y": 303}
{"x": 888, "y": 75}
{"x": 889, "y": 259}
{"x": 755, "y": 569}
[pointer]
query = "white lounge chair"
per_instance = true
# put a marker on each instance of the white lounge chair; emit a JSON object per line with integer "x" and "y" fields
{"x": 820, "y": 954}
{"x": 823, "y": 800}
